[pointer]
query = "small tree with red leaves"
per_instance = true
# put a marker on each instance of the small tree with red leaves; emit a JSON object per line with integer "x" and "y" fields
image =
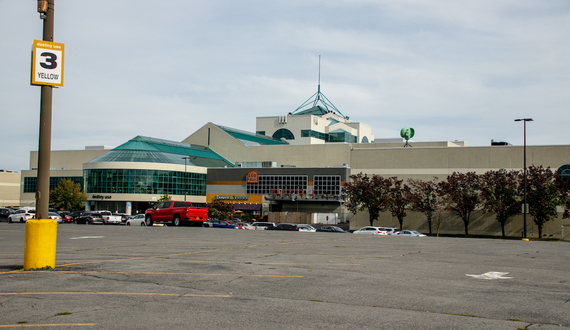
{"x": 424, "y": 198}
{"x": 220, "y": 210}
{"x": 366, "y": 193}
{"x": 500, "y": 191}
{"x": 399, "y": 199}
{"x": 461, "y": 195}
{"x": 545, "y": 191}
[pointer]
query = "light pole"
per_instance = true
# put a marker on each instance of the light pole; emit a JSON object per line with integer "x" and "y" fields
{"x": 185, "y": 184}
{"x": 524, "y": 208}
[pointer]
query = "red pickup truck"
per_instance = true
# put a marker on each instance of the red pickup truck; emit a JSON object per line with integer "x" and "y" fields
{"x": 175, "y": 213}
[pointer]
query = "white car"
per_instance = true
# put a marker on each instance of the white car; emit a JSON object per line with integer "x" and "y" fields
{"x": 370, "y": 230}
{"x": 21, "y": 215}
{"x": 306, "y": 228}
{"x": 263, "y": 225}
{"x": 391, "y": 230}
{"x": 137, "y": 220}
{"x": 55, "y": 216}
{"x": 411, "y": 233}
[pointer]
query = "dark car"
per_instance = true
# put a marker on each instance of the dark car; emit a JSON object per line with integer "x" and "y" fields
{"x": 5, "y": 213}
{"x": 331, "y": 229}
{"x": 216, "y": 223}
{"x": 90, "y": 218}
{"x": 284, "y": 226}
{"x": 75, "y": 214}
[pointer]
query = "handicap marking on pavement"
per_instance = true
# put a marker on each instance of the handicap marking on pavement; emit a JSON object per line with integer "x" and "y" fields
{"x": 491, "y": 276}
{"x": 82, "y": 237}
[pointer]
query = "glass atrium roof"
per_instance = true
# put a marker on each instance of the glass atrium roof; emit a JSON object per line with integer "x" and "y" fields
{"x": 143, "y": 149}
{"x": 250, "y": 139}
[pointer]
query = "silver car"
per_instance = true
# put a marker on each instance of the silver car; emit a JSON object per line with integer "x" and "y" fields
{"x": 411, "y": 233}
{"x": 370, "y": 230}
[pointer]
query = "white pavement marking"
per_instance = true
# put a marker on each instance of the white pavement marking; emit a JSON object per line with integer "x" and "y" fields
{"x": 82, "y": 237}
{"x": 491, "y": 276}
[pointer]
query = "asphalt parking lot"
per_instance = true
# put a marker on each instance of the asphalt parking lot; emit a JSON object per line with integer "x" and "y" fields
{"x": 118, "y": 277}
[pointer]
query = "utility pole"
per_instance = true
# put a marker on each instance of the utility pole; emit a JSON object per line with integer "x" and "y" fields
{"x": 525, "y": 205}
{"x": 44, "y": 150}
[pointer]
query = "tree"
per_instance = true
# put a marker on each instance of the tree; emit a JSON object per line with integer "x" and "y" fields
{"x": 367, "y": 193}
{"x": 424, "y": 198}
{"x": 438, "y": 222}
{"x": 220, "y": 210}
{"x": 500, "y": 192}
{"x": 545, "y": 191}
{"x": 461, "y": 196}
{"x": 67, "y": 196}
{"x": 165, "y": 197}
{"x": 399, "y": 199}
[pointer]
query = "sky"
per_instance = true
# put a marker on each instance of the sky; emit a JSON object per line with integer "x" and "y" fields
{"x": 452, "y": 70}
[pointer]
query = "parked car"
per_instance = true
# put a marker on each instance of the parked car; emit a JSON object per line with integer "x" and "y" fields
{"x": 331, "y": 229}
{"x": 111, "y": 218}
{"x": 370, "y": 230}
{"x": 306, "y": 228}
{"x": 176, "y": 213}
{"x": 22, "y": 215}
{"x": 75, "y": 214}
{"x": 284, "y": 226}
{"x": 411, "y": 233}
{"x": 391, "y": 230}
{"x": 216, "y": 223}
{"x": 89, "y": 218}
{"x": 65, "y": 217}
{"x": 246, "y": 225}
{"x": 137, "y": 220}
{"x": 238, "y": 225}
{"x": 5, "y": 213}
{"x": 263, "y": 225}
{"x": 55, "y": 216}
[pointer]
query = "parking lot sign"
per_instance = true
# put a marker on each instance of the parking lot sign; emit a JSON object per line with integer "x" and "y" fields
{"x": 47, "y": 63}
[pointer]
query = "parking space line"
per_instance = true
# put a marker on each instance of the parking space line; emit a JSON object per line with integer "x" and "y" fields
{"x": 47, "y": 325}
{"x": 116, "y": 294}
{"x": 164, "y": 273}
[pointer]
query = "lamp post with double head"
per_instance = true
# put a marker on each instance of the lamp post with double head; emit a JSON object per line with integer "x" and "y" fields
{"x": 524, "y": 207}
{"x": 185, "y": 182}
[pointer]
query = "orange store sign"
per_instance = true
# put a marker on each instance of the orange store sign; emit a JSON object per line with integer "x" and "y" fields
{"x": 252, "y": 177}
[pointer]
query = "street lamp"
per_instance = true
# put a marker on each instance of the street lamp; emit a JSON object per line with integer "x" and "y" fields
{"x": 185, "y": 183}
{"x": 525, "y": 207}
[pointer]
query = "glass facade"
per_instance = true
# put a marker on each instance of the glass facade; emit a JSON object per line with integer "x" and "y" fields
{"x": 331, "y": 137}
{"x": 327, "y": 184}
{"x": 135, "y": 181}
{"x": 564, "y": 172}
{"x": 268, "y": 184}
{"x": 31, "y": 183}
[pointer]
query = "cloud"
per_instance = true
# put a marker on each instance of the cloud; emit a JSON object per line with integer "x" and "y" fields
{"x": 452, "y": 70}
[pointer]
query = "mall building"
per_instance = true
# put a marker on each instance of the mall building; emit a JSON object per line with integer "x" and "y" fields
{"x": 295, "y": 163}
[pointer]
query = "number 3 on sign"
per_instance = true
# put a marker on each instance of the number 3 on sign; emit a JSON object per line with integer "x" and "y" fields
{"x": 47, "y": 63}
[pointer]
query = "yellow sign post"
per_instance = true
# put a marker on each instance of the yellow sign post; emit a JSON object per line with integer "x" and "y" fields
{"x": 47, "y": 63}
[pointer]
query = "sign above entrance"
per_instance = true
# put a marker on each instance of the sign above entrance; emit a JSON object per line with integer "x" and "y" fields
{"x": 252, "y": 177}
{"x": 47, "y": 63}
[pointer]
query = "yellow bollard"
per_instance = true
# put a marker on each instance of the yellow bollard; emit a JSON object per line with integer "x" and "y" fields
{"x": 41, "y": 239}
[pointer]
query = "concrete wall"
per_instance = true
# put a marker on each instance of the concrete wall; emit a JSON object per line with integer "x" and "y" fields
{"x": 9, "y": 189}
{"x": 479, "y": 224}
{"x": 67, "y": 159}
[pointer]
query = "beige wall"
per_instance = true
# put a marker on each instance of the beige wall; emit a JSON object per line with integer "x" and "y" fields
{"x": 9, "y": 189}
{"x": 67, "y": 159}
{"x": 29, "y": 199}
{"x": 479, "y": 224}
